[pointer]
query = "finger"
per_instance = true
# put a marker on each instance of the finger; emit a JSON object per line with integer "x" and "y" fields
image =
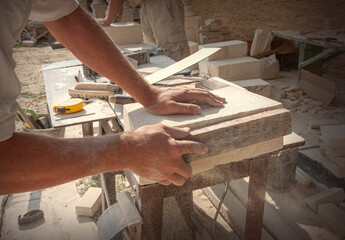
{"x": 184, "y": 169}
{"x": 215, "y": 96}
{"x": 184, "y": 108}
{"x": 192, "y": 147}
{"x": 200, "y": 97}
{"x": 176, "y": 179}
{"x": 177, "y": 132}
{"x": 164, "y": 182}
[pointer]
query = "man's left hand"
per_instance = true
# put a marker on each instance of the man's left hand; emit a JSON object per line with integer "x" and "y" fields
{"x": 183, "y": 100}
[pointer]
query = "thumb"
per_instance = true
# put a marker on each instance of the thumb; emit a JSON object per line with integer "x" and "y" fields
{"x": 177, "y": 133}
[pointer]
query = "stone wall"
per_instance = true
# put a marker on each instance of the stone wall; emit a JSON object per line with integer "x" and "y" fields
{"x": 244, "y": 16}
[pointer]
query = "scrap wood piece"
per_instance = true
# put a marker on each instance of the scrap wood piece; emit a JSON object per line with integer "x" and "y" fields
{"x": 181, "y": 65}
{"x": 317, "y": 87}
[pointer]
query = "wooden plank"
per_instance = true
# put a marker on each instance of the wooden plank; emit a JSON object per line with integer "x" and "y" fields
{"x": 317, "y": 87}
{"x": 293, "y": 140}
{"x": 239, "y": 103}
{"x": 256, "y": 198}
{"x": 179, "y": 66}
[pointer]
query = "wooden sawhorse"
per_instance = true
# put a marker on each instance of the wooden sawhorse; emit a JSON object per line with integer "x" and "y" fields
{"x": 149, "y": 198}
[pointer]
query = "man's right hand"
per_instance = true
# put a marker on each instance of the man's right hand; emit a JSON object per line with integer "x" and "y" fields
{"x": 155, "y": 152}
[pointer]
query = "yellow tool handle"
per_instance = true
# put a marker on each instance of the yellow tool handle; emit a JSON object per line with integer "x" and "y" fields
{"x": 69, "y": 106}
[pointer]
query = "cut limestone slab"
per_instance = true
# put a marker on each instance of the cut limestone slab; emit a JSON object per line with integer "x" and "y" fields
{"x": 317, "y": 87}
{"x": 124, "y": 33}
{"x": 316, "y": 124}
{"x": 331, "y": 195}
{"x": 239, "y": 103}
{"x": 334, "y": 217}
{"x": 89, "y": 203}
{"x": 257, "y": 86}
{"x": 232, "y": 69}
{"x": 336, "y": 151}
{"x": 334, "y": 135}
{"x": 330, "y": 156}
{"x": 246, "y": 126}
{"x": 229, "y": 49}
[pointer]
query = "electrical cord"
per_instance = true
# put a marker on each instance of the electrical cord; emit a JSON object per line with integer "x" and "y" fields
{"x": 43, "y": 95}
{"x": 218, "y": 210}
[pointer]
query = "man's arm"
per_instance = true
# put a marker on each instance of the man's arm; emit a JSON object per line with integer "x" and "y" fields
{"x": 87, "y": 41}
{"x": 114, "y": 8}
{"x": 29, "y": 162}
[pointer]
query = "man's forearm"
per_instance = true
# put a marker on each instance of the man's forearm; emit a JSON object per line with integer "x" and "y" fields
{"x": 114, "y": 8}
{"x": 30, "y": 162}
{"x": 87, "y": 41}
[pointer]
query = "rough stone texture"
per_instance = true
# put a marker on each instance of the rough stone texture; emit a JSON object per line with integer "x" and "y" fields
{"x": 331, "y": 195}
{"x": 334, "y": 217}
{"x": 89, "y": 203}
{"x": 257, "y": 86}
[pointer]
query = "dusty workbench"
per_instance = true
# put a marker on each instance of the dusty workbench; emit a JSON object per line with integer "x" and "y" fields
{"x": 314, "y": 49}
{"x": 149, "y": 196}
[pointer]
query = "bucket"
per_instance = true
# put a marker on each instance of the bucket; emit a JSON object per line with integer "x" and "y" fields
{"x": 52, "y": 132}
{"x": 282, "y": 170}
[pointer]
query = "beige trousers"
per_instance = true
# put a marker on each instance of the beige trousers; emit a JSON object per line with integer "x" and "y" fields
{"x": 163, "y": 24}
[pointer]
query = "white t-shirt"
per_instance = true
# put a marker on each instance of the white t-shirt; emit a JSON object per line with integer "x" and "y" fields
{"x": 13, "y": 18}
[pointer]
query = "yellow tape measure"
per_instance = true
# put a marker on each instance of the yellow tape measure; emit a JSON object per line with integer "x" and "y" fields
{"x": 69, "y": 106}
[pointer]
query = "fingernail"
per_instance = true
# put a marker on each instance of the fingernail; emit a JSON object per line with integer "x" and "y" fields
{"x": 197, "y": 111}
{"x": 204, "y": 150}
{"x": 186, "y": 129}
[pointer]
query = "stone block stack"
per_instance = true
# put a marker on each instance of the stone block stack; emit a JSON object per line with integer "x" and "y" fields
{"x": 230, "y": 63}
{"x": 213, "y": 31}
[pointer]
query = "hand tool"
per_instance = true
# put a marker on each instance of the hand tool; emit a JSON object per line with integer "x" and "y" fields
{"x": 93, "y": 90}
{"x": 30, "y": 217}
{"x": 69, "y": 106}
{"x": 121, "y": 99}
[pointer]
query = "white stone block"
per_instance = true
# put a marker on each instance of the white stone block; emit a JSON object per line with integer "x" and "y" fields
{"x": 231, "y": 69}
{"x": 229, "y": 49}
{"x": 125, "y": 33}
{"x": 89, "y": 203}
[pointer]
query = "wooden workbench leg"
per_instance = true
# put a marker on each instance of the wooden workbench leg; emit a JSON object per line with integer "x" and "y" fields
{"x": 87, "y": 129}
{"x": 151, "y": 211}
{"x": 185, "y": 202}
{"x": 256, "y": 197}
{"x": 302, "y": 47}
{"x": 110, "y": 182}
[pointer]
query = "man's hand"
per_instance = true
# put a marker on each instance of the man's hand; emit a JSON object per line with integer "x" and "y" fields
{"x": 182, "y": 100}
{"x": 156, "y": 153}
